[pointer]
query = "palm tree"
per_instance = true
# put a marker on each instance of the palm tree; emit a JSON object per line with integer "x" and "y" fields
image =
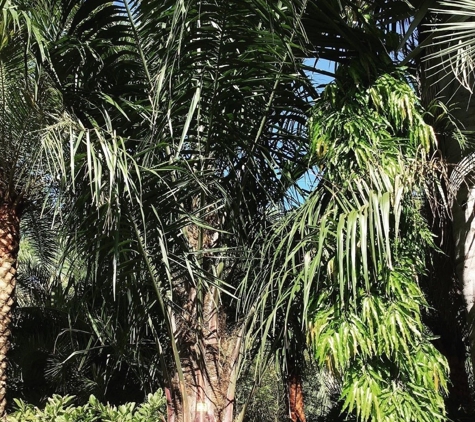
{"x": 448, "y": 66}
{"x": 184, "y": 125}
{"x": 444, "y": 57}
{"x": 185, "y": 129}
{"x": 371, "y": 30}
{"x": 362, "y": 236}
{"x": 62, "y": 342}
{"x": 23, "y": 103}
{"x": 410, "y": 44}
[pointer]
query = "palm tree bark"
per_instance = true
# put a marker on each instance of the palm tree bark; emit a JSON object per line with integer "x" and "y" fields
{"x": 9, "y": 245}
{"x": 294, "y": 364}
{"x": 208, "y": 348}
{"x": 209, "y": 382}
{"x": 448, "y": 324}
{"x": 464, "y": 232}
{"x": 463, "y": 208}
{"x": 295, "y": 397}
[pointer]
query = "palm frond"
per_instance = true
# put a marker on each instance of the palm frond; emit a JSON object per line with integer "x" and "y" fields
{"x": 452, "y": 45}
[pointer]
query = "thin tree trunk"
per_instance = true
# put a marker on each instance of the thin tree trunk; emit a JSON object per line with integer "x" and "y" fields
{"x": 9, "y": 244}
{"x": 170, "y": 405}
{"x": 295, "y": 398}
{"x": 294, "y": 381}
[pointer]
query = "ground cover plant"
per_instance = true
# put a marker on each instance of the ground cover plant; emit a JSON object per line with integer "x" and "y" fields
{"x": 62, "y": 409}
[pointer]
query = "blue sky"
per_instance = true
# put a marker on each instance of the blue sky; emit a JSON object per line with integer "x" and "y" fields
{"x": 310, "y": 179}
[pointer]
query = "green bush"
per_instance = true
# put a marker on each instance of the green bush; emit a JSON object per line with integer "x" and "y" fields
{"x": 61, "y": 409}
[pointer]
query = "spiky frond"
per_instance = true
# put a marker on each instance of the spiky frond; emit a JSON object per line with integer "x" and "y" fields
{"x": 452, "y": 54}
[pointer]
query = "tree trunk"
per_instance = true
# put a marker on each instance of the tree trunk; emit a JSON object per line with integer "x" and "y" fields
{"x": 457, "y": 238}
{"x": 448, "y": 322}
{"x": 294, "y": 364}
{"x": 9, "y": 244}
{"x": 209, "y": 368}
{"x": 295, "y": 398}
{"x": 463, "y": 209}
{"x": 209, "y": 350}
{"x": 464, "y": 231}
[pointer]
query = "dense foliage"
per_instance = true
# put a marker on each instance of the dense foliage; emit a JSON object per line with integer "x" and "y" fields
{"x": 376, "y": 132}
{"x": 62, "y": 409}
{"x": 153, "y": 154}
{"x": 354, "y": 250}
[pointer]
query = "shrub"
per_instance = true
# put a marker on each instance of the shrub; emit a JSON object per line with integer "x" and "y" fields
{"x": 61, "y": 409}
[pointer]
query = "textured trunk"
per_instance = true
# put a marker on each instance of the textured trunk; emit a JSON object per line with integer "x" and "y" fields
{"x": 9, "y": 243}
{"x": 209, "y": 368}
{"x": 293, "y": 378}
{"x": 170, "y": 405}
{"x": 463, "y": 210}
{"x": 448, "y": 322}
{"x": 209, "y": 350}
{"x": 295, "y": 398}
{"x": 464, "y": 231}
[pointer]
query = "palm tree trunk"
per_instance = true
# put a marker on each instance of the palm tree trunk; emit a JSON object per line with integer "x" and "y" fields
{"x": 9, "y": 244}
{"x": 293, "y": 375}
{"x": 208, "y": 349}
{"x": 295, "y": 398}
{"x": 464, "y": 233}
{"x": 463, "y": 213}
{"x": 210, "y": 389}
{"x": 209, "y": 366}
{"x": 443, "y": 86}
{"x": 448, "y": 324}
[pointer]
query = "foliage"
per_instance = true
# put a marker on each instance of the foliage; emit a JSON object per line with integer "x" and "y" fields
{"x": 61, "y": 409}
{"x": 180, "y": 132}
{"x": 354, "y": 249}
{"x": 452, "y": 51}
{"x": 266, "y": 396}
{"x": 366, "y": 323}
{"x": 25, "y": 100}
{"x": 169, "y": 172}
{"x": 57, "y": 347}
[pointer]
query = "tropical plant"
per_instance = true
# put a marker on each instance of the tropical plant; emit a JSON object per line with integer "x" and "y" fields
{"x": 448, "y": 64}
{"x": 373, "y": 293}
{"x": 380, "y": 33}
{"x": 355, "y": 248}
{"x": 61, "y": 408}
{"x": 61, "y": 341}
{"x": 435, "y": 45}
{"x": 192, "y": 129}
{"x": 24, "y": 101}
{"x": 183, "y": 132}
{"x": 266, "y": 400}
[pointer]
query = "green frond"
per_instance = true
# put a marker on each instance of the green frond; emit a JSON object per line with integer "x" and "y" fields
{"x": 355, "y": 246}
